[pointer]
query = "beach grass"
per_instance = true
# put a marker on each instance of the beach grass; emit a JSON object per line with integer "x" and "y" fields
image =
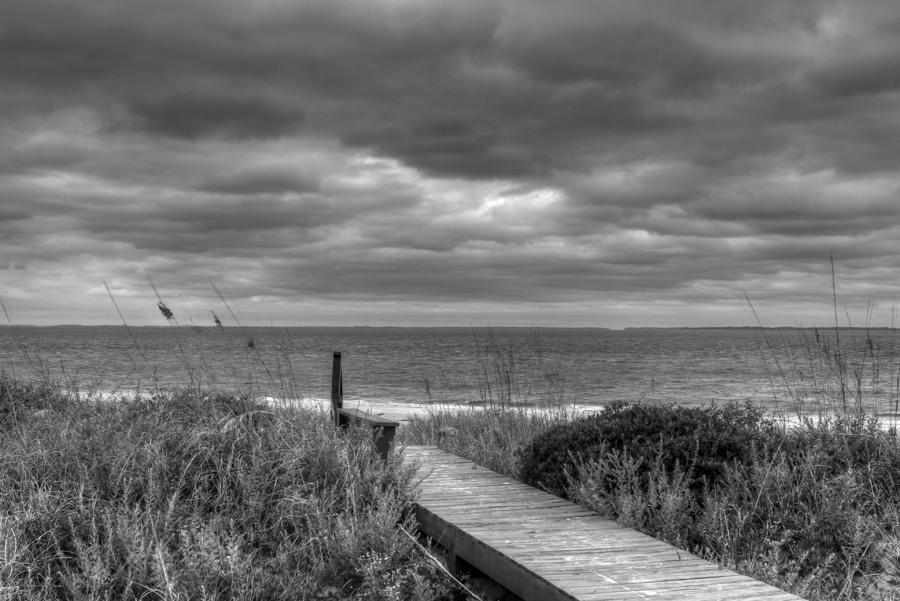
{"x": 200, "y": 496}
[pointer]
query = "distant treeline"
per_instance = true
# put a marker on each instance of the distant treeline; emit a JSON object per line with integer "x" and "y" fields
{"x": 797, "y": 328}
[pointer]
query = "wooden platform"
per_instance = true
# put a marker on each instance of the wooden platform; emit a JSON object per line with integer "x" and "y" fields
{"x": 543, "y": 548}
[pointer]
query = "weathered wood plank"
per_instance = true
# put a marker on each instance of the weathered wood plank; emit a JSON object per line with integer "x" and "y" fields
{"x": 542, "y": 547}
{"x": 475, "y": 513}
{"x": 454, "y": 503}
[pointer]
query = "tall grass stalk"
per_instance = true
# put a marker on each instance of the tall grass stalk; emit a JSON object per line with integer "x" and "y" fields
{"x": 838, "y": 360}
{"x": 511, "y": 376}
{"x": 134, "y": 341}
{"x": 251, "y": 344}
{"x": 169, "y": 316}
{"x": 131, "y": 335}
{"x": 36, "y": 364}
{"x": 840, "y": 370}
{"x": 798, "y": 408}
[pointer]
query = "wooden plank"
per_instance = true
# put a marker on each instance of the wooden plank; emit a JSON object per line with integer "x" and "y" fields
{"x": 723, "y": 590}
{"x": 498, "y": 520}
{"x": 542, "y": 547}
{"x": 734, "y": 594}
{"x": 499, "y": 503}
{"x": 451, "y": 503}
{"x": 500, "y": 516}
{"x": 589, "y": 556}
{"x": 639, "y": 575}
{"x": 724, "y": 581}
{"x": 612, "y": 539}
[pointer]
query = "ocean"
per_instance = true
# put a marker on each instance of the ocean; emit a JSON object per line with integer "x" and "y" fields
{"x": 778, "y": 368}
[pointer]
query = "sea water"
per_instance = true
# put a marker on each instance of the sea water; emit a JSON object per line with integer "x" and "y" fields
{"x": 430, "y": 366}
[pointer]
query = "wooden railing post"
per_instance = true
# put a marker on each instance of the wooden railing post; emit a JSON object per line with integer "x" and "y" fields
{"x": 337, "y": 388}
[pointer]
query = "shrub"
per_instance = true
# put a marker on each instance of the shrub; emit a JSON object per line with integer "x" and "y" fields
{"x": 701, "y": 440}
{"x": 658, "y": 501}
{"x": 817, "y": 515}
{"x": 852, "y": 443}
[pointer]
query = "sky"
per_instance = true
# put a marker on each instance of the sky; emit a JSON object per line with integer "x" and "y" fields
{"x": 605, "y": 163}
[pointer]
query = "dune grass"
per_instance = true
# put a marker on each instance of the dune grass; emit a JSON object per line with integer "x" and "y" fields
{"x": 189, "y": 496}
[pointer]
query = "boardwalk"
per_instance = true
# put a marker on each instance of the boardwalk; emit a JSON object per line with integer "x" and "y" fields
{"x": 544, "y": 548}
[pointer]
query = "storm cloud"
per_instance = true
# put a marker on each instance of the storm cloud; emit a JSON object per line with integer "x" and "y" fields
{"x": 487, "y": 162}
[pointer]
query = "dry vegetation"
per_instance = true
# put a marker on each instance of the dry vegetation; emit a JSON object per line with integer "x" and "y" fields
{"x": 200, "y": 497}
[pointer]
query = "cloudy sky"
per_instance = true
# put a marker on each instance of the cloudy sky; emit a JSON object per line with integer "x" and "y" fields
{"x": 431, "y": 162}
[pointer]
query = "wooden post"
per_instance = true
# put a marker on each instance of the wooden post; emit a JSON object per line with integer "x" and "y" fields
{"x": 337, "y": 388}
{"x": 383, "y": 430}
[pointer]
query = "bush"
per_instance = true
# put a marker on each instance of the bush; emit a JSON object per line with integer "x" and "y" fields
{"x": 820, "y": 517}
{"x": 816, "y": 515}
{"x": 700, "y": 440}
{"x": 852, "y": 443}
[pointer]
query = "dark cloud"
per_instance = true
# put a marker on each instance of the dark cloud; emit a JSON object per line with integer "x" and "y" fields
{"x": 875, "y": 73}
{"x": 625, "y": 56}
{"x": 61, "y": 46}
{"x": 451, "y": 146}
{"x": 241, "y": 226}
{"x": 197, "y": 116}
{"x": 275, "y": 179}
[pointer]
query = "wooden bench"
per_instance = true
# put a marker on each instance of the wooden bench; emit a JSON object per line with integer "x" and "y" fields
{"x": 383, "y": 430}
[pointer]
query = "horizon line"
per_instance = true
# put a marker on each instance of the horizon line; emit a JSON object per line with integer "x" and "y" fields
{"x": 451, "y": 327}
